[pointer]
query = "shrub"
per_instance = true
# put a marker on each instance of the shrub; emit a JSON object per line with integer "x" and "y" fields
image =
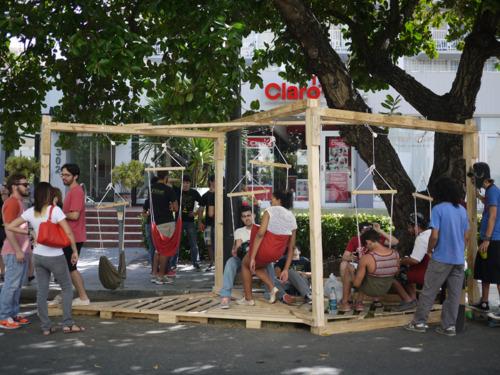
{"x": 129, "y": 175}
{"x": 28, "y": 167}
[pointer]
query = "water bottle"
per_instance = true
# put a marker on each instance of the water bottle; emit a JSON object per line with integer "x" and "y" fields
{"x": 333, "y": 302}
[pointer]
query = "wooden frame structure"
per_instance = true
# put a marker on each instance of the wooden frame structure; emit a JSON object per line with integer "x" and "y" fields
{"x": 315, "y": 117}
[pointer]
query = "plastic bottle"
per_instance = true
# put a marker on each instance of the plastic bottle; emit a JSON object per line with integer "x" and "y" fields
{"x": 332, "y": 302}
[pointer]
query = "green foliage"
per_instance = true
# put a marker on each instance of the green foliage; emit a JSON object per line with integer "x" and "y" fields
{"x": 128, "y": 175}
{"x": 337, "y": 230}
{"x": 28, "y": 167}
{"x": 391, "y": 104}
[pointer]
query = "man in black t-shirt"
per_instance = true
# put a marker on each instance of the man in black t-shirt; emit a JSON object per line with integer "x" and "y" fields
{"x": 207, "y": 204}
{"x": 164, "y": 202}
{"x": 189, "y": 198}
{"x": 299, "y": 275}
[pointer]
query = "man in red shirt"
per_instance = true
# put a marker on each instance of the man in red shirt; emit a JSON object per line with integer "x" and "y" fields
{"x": 16, "y": 262}
{"x": 74, "y": 209}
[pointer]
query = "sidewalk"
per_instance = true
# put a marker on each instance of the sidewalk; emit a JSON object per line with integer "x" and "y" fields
{"x": 138, "y": 281}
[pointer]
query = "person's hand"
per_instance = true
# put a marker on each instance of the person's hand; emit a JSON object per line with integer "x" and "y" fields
{"x": 19, "y": 256}
{"x": 284, "y": 276}
{"x": 252, "y": 265}
{"x": 201, "y": 227}
{"x": 483, "y": 248}
{"x": 376, "y": 227}
{"x": 234, "y": 252}
{"x": 74, "y": 258}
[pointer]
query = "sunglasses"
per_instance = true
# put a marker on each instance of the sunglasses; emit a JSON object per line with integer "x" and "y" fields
{"x": 25, "y": 184}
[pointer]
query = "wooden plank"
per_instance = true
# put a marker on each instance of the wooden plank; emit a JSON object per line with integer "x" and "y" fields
{"x": 155, "y": 169}
{"x": 219, "y": 212}
{"x": 215, "y": 125}
{"x": 403, "y": 122}
{"x": 270, "y": 164}
{"x": 45, "y": 148}
{"x": 254, "y": 324}
{"x": 296, "y": 107}
{"x": 246, "y": 193}
{"x": 162, "y": 301}
{"x": 106, "y": 314}
{"x": 423, "y": 197}
{"x": 470, "y": 152}
{"x": 313, "y": 140}
{"x": 168, "y": 318}
{"x": 373, "y": 192}
{"x": 104, "y": 206}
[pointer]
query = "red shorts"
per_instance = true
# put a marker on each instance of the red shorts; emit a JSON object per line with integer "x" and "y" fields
{"x": 416, "y": 273}
{"x": 271, "y": 248}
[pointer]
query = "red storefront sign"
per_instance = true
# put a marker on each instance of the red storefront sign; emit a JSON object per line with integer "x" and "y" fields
{"x": 284, "y": 91}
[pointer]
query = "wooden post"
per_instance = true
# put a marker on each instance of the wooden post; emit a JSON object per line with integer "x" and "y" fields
{"x": 470, "y": 147}
{"x": 219, "y": 212}
{"x": 45, "y": 149}
{"x": 313, "y": 140}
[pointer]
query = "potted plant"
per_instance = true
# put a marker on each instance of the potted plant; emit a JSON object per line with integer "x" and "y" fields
{"x": 128, "y": 176}
{"x": 28, "y": 167}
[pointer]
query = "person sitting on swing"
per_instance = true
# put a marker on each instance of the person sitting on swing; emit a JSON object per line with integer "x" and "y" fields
{"x": 375, "y": 273}
{"x": 267, "y": 243}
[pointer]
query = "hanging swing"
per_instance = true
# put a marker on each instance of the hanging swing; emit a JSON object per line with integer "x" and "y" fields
{"x": 371, "y": 171}
{"x": 164, "y": 245}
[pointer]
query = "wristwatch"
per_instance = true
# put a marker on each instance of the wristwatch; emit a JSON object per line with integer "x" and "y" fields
{"x": 487, "y": 238}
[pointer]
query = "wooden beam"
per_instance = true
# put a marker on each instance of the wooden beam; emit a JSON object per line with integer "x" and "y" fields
{"x": 156, "y": 169}
{"x": 45, "y": 146}
{"x": 404, "y": 122}
{"x": 219, "y": 211}
{"x": 104, "y": 206}
{"x": 246, "y": 193}
{"x": 470, "y": 152}
{"x": 423, "y": 197}
{"x": 286, "y": 110}
{"x": 270, "y": 164}
{"x": 373, "y": 192}
{"x": 203, "y": 125}
{"x": 313, "y": 141}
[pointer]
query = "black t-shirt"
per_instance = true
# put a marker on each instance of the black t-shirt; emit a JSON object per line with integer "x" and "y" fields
{"x": 208, "y": 199}
{"x": 162, "y": 196}
{"x": 188, "y": 199}
{"x": 301, "y": 265}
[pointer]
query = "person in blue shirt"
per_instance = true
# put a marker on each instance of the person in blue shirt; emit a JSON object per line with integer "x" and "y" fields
{"x": 487, "y": 263}
{"x": 446, "y": 248}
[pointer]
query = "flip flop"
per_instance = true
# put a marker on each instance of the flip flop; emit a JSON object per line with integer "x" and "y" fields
{"x": 48, "y": 332}
{"x": 73, "y": 329}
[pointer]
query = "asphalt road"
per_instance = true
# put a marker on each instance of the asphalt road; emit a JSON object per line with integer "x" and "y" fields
{"x": 145, "y": 347}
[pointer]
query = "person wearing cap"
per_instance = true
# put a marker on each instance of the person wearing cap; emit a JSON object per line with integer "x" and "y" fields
{"x": 415, "y": 264}
{"x": 487, "y": 263}
{"x": 190, "y": 197}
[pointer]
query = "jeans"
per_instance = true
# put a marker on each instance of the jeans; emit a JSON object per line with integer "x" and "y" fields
{"x": 149, "y": 242}
{"x": 44, "y": 266}
{"x": 232, "y": 267}
{"x": 192, "y": 235}
{"x": 11, "y": 290}
{"x": 297, "y": 283}
{"x": 435, "y": 276}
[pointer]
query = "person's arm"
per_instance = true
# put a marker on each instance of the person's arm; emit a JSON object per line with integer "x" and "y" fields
{"x": 392, "y": 238}
{"x": 258, "y": 239}
{"x": 348, "y": 256}
{"x": 65, "y": 226}
{"x": 201, "y": 226}
{"x": 10, "y": 229}
{"x": 492, "y": 211}
{"x": 433, "y": 240}
{"x": 408, "y": 261}
{"x": 73, "y": 215}
{"x": 236, "y": 246}
{"x": 361, "y": 272}
{"x": 289, "y": 256}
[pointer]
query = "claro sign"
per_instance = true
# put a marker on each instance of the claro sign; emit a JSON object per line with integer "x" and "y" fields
{"x": 284, "y": 91}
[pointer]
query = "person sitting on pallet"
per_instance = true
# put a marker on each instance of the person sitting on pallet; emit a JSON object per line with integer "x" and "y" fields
{"x": 239, "y": 250}
{"x": 375, "y": 273}
{"x": 353, "y": 253}
{"x": 277, "y": 232}
{"x": 413, "y": 266}
{"x": 299, "y": 276}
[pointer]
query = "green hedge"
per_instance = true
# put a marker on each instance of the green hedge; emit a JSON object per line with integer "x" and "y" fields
{"x": 337, "y": 230}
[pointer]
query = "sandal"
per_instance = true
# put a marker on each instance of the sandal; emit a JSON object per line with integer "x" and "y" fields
{"x": 359, "y": 306}
{"x": 73, "y": 329}
{"x": 48, "y": 332}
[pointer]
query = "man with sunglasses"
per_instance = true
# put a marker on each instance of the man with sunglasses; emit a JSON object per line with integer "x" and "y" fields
{"x": 16, "y": 262}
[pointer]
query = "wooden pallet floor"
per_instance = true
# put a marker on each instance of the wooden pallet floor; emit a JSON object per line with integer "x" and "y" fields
{"x": 204, "y": 308}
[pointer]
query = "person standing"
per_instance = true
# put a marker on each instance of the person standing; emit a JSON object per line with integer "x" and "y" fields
{"x": 15, "y": 253}
{"x": 207, "y": 204}
{"x": 74, "y": 209}
{"x": 487, "y": 263}
{"x": 446, "y": 248}
{"x": 189, "y": 197}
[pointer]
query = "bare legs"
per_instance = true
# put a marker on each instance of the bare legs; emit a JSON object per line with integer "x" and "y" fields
{"x": 246, "y": 275}
{"x": 77, "y": 280}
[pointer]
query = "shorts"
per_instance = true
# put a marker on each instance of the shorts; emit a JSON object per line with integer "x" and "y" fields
{"x": 68, "y": 251}
{"x": 167, "y": 229}
{"x": 376, "y": 286}
{"x": 488, "y": 270}
{"x": 208, "y": 235}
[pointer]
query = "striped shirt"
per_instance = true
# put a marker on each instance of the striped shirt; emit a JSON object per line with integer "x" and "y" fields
{"x": 385, "y": 265}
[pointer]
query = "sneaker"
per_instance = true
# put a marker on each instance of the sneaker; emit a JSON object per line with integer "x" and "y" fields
{"x": 9, "y": 323}
{"x": 450, "y": 331}
{"x": 288, "y": 299}
{"x": 494, "y": 316}
{"x": 81, "y": 302}
{"x": 416, "y": 327}
{"x": 272, "y": 295}
{"x": 163, "y": 280}
{"x": 481, "y": 306}
{"x": 404, "y": 306}
{"x": 171, "y": 273}
{"x": 210, "y": 268}
{"x": 359, "y": 306}
{"x": 344, "y": 307}
{"x": 56, "y": 301}
{"x": 197, "y": 268}
{"x": 244, "y": 302}
{"x": 20, "y": 320}
{"x": 224, "y": 303}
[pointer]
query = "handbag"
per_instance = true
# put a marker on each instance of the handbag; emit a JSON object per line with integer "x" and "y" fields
{"x": 52, "y": 234}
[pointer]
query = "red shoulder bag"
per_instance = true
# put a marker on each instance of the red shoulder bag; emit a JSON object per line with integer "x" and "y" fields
{"x": 51, "y": 234}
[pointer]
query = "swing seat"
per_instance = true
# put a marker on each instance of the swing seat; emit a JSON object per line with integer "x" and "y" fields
{"x": 167, "y": 246}
{"x": 110, "y": 277}
{"x": 271, "y": 248}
